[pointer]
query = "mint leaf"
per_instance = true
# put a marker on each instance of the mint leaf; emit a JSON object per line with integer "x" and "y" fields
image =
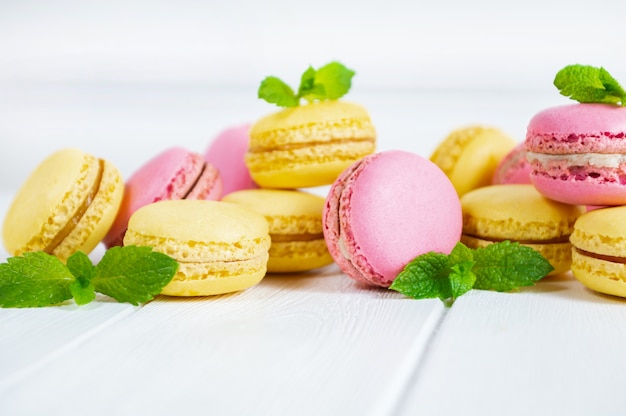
{"x": 330, "y": 82}
{"x": 275, "y": 91}
{"x": 426, "y": 276}
{"x": 81, "y": 267}
{"x": 133, "y": 274}
{"x": 588, "y": 84}
{"x": 462, "y": 278}
{"x": 336, "y": 79}
{"x": 461, "y": 253}
{"x": 308, "y": 89}
{"x": 506, "y": 266}
{"x": 82, "y": 291}
{"x": 500, "y": 266}
{"x": 33, "y": 280}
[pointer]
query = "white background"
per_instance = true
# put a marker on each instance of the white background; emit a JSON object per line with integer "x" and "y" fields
{"x": 132, "y": 77}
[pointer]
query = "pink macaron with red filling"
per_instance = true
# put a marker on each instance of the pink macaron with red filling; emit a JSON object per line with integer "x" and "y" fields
{"x": 387, "y": 209}
{"x": 226, "y": 152}
{"x": 577, "y": 153}
{"x": 173, "y": 174}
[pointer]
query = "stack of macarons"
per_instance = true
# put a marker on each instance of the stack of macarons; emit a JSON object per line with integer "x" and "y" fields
{"x": 293, "y": 149}
{"x": 577, "y": 155}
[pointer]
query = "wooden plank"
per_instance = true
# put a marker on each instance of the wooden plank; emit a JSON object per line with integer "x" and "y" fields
{"x": 294, "y": 344}
{"x": 556, "y": 348}
{"x": 32, "y": 337}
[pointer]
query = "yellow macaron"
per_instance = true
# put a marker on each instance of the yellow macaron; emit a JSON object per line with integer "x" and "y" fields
{"x": 221, "y": 247}
{"x": 68, "y": 203}
{"x": 520, "y": 214}
{"x": 599, "y": 250}
{"x": 469, "y": 156}
{"x": 308, "y": 145}
{"x": 295, "y": 226}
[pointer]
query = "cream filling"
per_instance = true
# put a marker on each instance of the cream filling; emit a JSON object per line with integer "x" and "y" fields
{"x": 587, "y": 159}
{"x": 343, "y": 249}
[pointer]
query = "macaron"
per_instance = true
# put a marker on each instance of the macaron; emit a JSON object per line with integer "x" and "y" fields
{"x": 220, "y": 247}
{"x": 387, "y": 209}
{"x": 518, "y": 213}
{"x": 67, "y": 204}
{"x": 469, "y": 156}
{"x": 599, "y": 250}
{"x": 226, "y": 152}
{"x": 308, "y": 145}
{"x": 578, "y": 153}
{"x": 513, "y": 168}
{"x": 295, "y": 226}
{"x": 175, "y": 173}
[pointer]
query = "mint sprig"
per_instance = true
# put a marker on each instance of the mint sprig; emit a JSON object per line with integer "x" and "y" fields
{"x": 502, "y": 267}
{"x": 588, "y": 84}
{"x": 128, "y": 274}
{"x": 330, "y": 82}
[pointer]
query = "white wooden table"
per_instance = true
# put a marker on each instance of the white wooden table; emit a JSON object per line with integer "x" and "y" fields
{"x": 301, "y": 344}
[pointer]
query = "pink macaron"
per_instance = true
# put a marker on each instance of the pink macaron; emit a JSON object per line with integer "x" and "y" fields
{"x": 387, "y": 209}
{"x": 226, "y": 152}
{"x": 578, "y": 153}
{"x": 513, "y": 168}
{"x": 175, "y": 173}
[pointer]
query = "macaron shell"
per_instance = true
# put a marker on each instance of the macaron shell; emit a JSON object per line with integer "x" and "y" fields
{"x": 308, "y": 145}
{"x": 226, "y": 152}
{"x": 223, "y": 249}
{"x": 386, "y": 210}
{"x": 578, "y": 128}
{"x": 588, "y": 192}
{"x": 469, "y": 156}
{"x": 66, "y": 204}
{"x": 295, "y": 226}
{"x": 516, "y": 212}
{"x": 601, "y": 231}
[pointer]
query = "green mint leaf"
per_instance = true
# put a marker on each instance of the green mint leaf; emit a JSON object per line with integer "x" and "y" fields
{"x": 336, "y": 79}
{"x": 462, "y": 278}
{"x": 82, "y": 291}
{"x": 506, "y": 266}
{"x": 308, "y": 89}
{"x": 588, "y": 84}
{"x": 133, "y": 274}
{"x": 426, "y": 276}
{"x": 461, "y": 253}
{"x": 34, "y": 280}
{"x": 330, "y": 82}
{"x": 81, "y": 267}
{"x": 275, "y": 91}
